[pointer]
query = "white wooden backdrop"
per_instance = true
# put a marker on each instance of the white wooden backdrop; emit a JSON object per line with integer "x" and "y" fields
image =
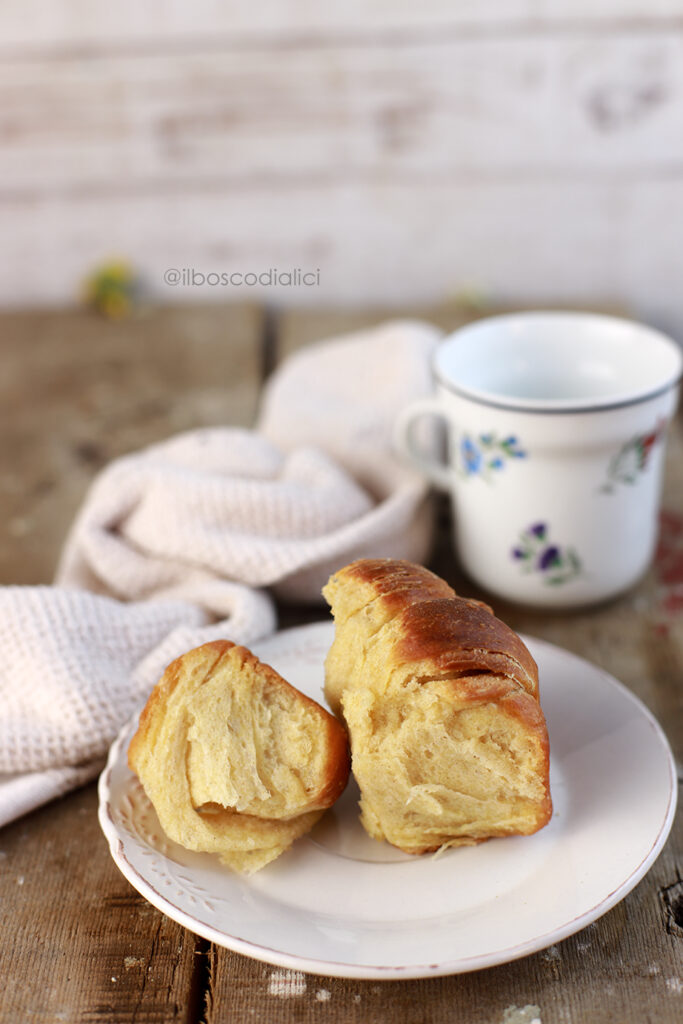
{"x": 531, "y": 150}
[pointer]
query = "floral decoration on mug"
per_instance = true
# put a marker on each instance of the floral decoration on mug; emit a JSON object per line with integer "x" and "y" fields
{"x": 536, "y": 553}
{"x": 486, "y": 454}
{"x": 632, "y": 458}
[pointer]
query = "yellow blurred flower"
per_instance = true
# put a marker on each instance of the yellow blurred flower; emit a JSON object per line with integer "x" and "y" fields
{"x": 113, "y": 289}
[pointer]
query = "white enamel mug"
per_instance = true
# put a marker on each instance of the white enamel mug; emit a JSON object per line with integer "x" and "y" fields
{"x": 556, "y": 428}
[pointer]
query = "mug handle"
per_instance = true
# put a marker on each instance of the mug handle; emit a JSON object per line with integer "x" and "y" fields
{"x": 404, "y": 440}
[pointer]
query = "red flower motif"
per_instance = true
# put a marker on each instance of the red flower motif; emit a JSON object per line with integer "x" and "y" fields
{"x": 648, "y": 441}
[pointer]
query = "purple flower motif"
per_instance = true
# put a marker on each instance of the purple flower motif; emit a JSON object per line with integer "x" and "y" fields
{"x": 555, "y": 564}
{"x": 549, "y": 558}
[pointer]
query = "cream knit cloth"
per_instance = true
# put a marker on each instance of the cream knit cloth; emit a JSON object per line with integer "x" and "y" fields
{"x": 176, "y": 544}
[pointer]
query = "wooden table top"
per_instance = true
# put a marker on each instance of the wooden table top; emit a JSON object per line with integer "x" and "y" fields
{"x": 79, "y": 944}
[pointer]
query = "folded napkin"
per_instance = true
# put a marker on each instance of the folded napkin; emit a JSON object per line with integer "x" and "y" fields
{"x": 187, "y": 541}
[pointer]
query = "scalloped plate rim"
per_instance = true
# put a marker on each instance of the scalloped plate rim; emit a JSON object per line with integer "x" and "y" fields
{"x": 341, "y": 969}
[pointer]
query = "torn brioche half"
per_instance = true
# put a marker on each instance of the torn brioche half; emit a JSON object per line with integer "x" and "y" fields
{"x": 449, "y": 744}
{"x": 234, "y": 759}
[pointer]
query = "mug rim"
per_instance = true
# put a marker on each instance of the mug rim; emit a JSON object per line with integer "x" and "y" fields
{"x": 555, "y": 406}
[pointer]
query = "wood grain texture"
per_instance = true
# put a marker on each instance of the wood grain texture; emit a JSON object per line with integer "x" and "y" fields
{"x": 502, "y": 108}
{"x": 624, "y": 967}
{"x": 297, "y": 328}
{"x": 407, "y": 151}
{"x": 79, "y": 944}
{"x": 69, "y": 23}
{"x": 585, "y": 243}
{"x": 77, "y": 390}
{"x": 76, "y": 923}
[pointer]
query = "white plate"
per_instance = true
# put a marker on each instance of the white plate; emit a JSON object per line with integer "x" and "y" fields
{"x": 339, "y": 903}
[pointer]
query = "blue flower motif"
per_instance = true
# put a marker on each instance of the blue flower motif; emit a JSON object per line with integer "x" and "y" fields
{"x": 485, "y": 455}
{"x": 538, "y": 530}
{"x": 471, "y": 456}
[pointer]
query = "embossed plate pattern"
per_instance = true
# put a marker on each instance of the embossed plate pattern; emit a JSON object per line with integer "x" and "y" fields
{"x": 340, "y": 904}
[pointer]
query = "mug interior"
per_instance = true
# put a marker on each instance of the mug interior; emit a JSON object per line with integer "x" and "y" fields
{"x": 558, "y": 361}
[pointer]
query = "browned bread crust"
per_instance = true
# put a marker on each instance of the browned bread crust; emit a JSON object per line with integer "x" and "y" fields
{"x": 183, "y": 714}
{"x": 403, "y": 641}
{"x": 458, "y": 634}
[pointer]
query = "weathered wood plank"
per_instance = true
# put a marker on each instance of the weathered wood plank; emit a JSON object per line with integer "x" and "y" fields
{"x": 623, "y": 968}
{"x": 299, "y": 327}
{"x": 69, "y": 23}
{"x": 508, "y": 107}
{"x": 77, "y": 390}
{"x": 395, "y": 244}
{"x": 626, "y": 966}
{"x": 79, "y": 944}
